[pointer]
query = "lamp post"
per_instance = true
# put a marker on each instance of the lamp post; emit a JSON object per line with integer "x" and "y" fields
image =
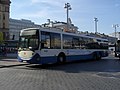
{"x": 115, "y": 27}
{"x": 68, "y": 7}
{"x": 96, "y": 20}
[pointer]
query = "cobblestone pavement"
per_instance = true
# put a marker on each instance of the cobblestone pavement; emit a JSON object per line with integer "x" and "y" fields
{"x": 84, "y": 75}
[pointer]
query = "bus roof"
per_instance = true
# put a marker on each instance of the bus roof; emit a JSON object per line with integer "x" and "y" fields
{"x": 58, "y": 30}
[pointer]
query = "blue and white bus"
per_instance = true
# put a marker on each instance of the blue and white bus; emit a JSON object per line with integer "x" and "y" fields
{"x": 52, "y": 45}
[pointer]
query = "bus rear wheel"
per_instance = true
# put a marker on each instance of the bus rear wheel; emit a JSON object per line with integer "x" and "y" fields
{"x": 96, "y": 56}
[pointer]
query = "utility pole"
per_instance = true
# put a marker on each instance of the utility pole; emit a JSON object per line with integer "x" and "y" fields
{"x": 96, "y": 20}
{"x": 68, "y": 7}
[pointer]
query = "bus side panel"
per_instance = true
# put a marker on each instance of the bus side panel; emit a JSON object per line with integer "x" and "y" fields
{"x": 48, "y": 60}
{"x": 53, "y": 59}
{"x": 36, "y": 59}
{"x": 89, "y": 56}
{"x": 72, "y": 56}
{"x": 79, "y": 57}
{"x": 78, "y": 54}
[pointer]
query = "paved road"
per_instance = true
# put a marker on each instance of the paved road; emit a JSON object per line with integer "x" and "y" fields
{"x": 84, "y": 75}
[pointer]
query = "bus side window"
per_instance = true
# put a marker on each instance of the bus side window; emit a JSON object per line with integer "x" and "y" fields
{"x": 67, "y": 42}
{"x": 55, "y": 41}
{"x": 75, "y": 43}
{"x": 45, "y": 40}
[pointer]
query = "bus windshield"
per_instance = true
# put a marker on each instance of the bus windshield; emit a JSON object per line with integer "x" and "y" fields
{"x": 29, "y": 41}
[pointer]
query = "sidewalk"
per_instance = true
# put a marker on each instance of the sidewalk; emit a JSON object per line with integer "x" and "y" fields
{"x": 7, "y": 63}
{"x": 10, "y": 61}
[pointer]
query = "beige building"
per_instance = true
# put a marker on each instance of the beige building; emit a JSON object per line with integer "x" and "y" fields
{"x": 62, "y": 25}
{"x": 4, "y": 18}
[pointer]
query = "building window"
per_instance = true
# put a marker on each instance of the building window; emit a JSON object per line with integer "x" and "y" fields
{"x": 3, "y": 25}
{"x": 0, "y": 8}
{"x": 3, "y": 16}
{"x": 6, "y": 9}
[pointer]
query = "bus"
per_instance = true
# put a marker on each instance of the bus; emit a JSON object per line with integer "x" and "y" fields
{"x": 117, "y": 49}
{"x": 51, "y": 45}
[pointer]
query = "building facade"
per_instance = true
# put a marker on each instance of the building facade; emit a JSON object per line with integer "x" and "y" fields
{"x": 62, "y": 25}
{"x": 117, "y": 35}
{"x": 16, "y": 25}
{"x": 4, "y": 18}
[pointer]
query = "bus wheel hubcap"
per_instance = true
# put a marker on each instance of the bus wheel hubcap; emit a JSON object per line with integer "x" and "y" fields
{"x": 61, "y": 59}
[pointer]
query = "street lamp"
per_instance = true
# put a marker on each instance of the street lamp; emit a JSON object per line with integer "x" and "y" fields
{"x": 115, "y": 27}
{"x": 68, "y": 7}
{"x": 96, "y": 20}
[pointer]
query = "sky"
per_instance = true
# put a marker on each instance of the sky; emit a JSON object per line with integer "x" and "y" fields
{"x": 82, "y": 14}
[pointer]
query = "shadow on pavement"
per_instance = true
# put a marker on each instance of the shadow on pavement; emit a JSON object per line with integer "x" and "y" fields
{"x": 15, "y": 65}
{"x": 110, "y": 64}
{"x": 103, "y": 65}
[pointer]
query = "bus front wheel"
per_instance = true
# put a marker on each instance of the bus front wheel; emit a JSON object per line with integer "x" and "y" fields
{"x": 61, "y": 59}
